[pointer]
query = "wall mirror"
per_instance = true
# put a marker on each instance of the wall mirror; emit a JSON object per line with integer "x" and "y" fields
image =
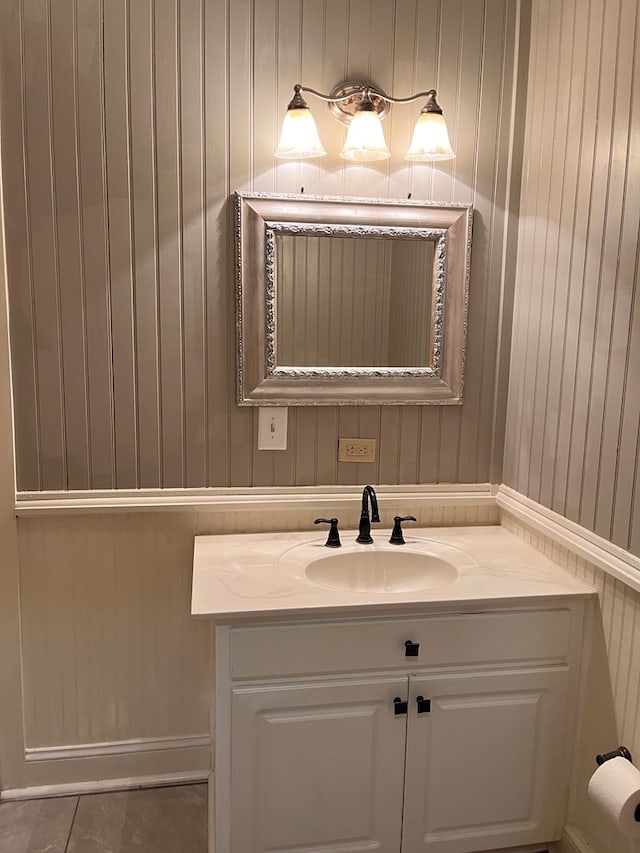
{"x": 350, "y": 300}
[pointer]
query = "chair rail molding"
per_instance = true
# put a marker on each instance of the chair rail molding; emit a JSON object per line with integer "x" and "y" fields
{"x": 252, "y": 499}
{"x": 612, "y": 559}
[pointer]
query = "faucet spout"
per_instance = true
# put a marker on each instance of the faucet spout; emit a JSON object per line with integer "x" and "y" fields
{"x": 364, "y": 529}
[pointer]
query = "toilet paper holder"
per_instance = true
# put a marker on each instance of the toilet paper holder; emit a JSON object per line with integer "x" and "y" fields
{"x": 620, "y": 752}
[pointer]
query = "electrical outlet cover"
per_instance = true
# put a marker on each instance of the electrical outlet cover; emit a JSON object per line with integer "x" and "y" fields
{"x": 356, "y": 450}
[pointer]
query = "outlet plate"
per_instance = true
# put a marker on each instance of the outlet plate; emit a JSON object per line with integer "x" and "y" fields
{"x": 356, "y": 450}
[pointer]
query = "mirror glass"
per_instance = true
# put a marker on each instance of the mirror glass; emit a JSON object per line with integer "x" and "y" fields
{"x": 344, "y": 301}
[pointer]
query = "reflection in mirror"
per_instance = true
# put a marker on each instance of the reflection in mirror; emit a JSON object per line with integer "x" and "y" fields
{"x": 346, "y": 302}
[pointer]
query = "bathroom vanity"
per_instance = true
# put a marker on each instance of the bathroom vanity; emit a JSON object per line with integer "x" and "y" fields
{"x": 385, "y": 718}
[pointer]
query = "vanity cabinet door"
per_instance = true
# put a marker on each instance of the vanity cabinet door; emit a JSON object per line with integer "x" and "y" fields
{"x": 317, "y": 765}
{"x": 486, "y": 761}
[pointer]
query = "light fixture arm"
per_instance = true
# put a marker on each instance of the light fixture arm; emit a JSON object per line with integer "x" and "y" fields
{"x": 368, "y": 90}
{"x": 328, "y": 98}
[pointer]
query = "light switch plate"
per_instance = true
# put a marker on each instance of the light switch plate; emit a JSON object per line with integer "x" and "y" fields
{"x": 272, "y": 428}
{"x": 356, "y": 450}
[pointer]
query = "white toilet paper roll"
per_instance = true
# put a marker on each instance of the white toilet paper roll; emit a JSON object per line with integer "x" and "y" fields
{"x": 615, "y": 788}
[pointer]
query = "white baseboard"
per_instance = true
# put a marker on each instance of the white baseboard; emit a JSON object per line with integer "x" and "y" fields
{"x": 612, "y": 559}
{"x": 85, "y": 768}
{"x": 102, "y": 786}
{"x": 571, "y": 842}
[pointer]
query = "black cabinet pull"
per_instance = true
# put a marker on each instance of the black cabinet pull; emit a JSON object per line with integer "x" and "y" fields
{"x": 411, "y": 649}
{"x": 424, "y": 705}
{"x": 400, "y": 707}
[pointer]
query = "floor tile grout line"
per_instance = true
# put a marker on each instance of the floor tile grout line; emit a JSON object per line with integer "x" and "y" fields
{"x": 73, "y": 820}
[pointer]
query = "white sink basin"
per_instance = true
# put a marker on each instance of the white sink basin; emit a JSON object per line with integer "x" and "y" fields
{"x": 396, "y": 570}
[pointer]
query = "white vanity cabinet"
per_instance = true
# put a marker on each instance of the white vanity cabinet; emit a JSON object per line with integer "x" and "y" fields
{"x": 315, "y": 748}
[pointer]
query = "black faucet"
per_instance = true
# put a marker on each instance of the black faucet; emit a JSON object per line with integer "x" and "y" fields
{"x": 364, "y": 530}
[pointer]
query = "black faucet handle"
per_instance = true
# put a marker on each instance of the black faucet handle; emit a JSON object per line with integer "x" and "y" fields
{"x": 396, "y": 535}
{"x": 333, "y": 539}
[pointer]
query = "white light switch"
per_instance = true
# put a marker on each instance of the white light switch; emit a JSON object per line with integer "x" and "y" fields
{"x": 272, "y": 428}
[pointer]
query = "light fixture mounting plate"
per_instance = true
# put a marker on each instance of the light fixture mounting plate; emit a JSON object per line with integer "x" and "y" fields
{"x": 344, "y": 110}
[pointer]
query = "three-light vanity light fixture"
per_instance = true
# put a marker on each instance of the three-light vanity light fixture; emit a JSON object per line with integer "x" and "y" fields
{"x": 362, "y": 106}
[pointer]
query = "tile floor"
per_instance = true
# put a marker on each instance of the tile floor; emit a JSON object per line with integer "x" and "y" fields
{"x": 155, "y": 820}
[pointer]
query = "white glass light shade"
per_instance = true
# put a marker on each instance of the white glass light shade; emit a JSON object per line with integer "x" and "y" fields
{"x": 299, "y": 139}
{"x": 365, "y": 138}
{"x": 430, "y": 139}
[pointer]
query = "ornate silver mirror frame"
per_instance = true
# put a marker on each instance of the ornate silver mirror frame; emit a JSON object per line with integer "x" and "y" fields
{"x": 261, "y": 217}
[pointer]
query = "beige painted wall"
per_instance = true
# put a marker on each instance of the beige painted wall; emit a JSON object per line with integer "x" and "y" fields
{"x": 574, "y": 398}
{"x": 118, "y": 167}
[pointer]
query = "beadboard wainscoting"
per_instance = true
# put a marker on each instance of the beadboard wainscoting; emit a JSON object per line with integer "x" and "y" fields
{"x": 613, "y": 667}
{"x": 116, "y": 674}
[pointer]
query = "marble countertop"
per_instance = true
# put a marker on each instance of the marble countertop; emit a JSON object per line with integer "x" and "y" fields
{"x": 246, "y": 576}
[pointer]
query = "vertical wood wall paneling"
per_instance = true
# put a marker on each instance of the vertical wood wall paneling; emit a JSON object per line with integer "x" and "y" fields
{"x": 130, "y": 380}
{"x": 120, "y": 210}
{"x": 94, "y": 243}
{"x": 607, "y": 370}
{"x": 542, "y": 299}
{"x": 330, "y": 172}
{"x": 378, "y": 48}
{"x": 18, "y": 234}
{"x": 574, "y": 407}
{"x": 313, "y": 64}
{"x": 622, "y": 402}
{"x": 238, "y": 76}
{"x": 585, "y": 395}
{"x": 193, "y": 247}
{"x": 454, "y": 181}
{"x": 73, "y": 330}
{"x": 561, "y": 213}
{"x": 493, "y": 135}
{"x": 145, "y": 238}
{"x": 579, "y": 262}
{"x": 42, "y": 182}
{"x": 219, "y": 305}
{"x": 299, "y": 25}
{"x": 419, "y": 24}
{"x": 519, "y": 21}
{"x": 266, "y": 20}
{"x": 171, "y": 277}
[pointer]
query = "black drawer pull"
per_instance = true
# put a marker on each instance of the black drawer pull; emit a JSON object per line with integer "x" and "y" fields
{"x": 411, "y": 649}
{"x": 424, "y": 705}
{"x": 400, "y": 707}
